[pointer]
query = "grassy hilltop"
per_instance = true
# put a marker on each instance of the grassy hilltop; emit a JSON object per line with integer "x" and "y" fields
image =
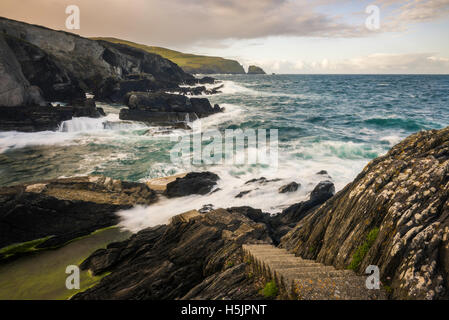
{"x": 190, "y": 63}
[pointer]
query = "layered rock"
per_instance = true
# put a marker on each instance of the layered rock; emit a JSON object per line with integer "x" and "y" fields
{"x": 160, "y": 108}
{"x": 167, "y": 262}
{"x": 91, "y": 61}
{"x": 63, "y": 209}
{"x": 395, "y": 215}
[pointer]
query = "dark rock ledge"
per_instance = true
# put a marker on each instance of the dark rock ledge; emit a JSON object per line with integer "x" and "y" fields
{"x": 65, "y": 209}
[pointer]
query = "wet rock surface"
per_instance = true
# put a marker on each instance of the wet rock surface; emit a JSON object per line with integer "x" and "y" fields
{"x": 65, "y": 208}
{"x": 160, "y": 108}
{"x": 393, "y": 215}
{"x": 291, "y": 187}
{"x": 42, "y": 65}
{"x": 183, "y": 259}
{"x": 192, "y": 183}
{"x": 41, "y": 118}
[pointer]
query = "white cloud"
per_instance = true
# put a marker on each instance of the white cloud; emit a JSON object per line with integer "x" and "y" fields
{"x": 379, "y": 63}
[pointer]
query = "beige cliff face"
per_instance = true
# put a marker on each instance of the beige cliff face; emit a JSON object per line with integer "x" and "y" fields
{"x": 394, "y": 215}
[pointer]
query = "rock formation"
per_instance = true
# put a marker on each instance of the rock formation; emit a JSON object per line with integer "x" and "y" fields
{"x": 255, "y": 70}
{"x": 395, "y": 215}
{"x": 179, "y": 260}
{"x": 192, "y": 183}
{"x": 63, "y": 209}
{"x": 159, "y": 108}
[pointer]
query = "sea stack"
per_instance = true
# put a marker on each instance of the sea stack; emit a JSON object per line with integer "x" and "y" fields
{"x": 255, "y": 70}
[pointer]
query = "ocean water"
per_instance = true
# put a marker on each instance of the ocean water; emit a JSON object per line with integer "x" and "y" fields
{"x": 336, "y": 123}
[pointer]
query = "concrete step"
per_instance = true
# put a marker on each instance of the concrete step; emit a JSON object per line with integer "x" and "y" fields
{"x": 308, "y": 279}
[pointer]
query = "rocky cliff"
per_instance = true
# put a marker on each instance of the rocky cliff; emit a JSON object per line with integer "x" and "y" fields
{"x": 191, "y": 63}
{"x": 68, "y": 64}
{"x": 395, "y": 215}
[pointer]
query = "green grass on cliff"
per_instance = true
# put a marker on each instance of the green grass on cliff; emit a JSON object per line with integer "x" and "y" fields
{"x": 363, "y": 249}
{"x": 270, "y": 290}
{"x": 190, "y": 63}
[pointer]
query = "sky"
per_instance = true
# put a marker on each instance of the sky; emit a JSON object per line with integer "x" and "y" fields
{"x": 281, "y": 36}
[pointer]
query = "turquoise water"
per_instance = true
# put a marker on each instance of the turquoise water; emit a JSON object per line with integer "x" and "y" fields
{"x": 326, "y": 122}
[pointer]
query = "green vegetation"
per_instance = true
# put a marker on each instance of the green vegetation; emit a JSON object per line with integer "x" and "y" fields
{"x": 42, "y": 276}
{"x": 270, "y": 290}
{"x": 23, "y": 247}
{"x": 190, "y": 63}
{"x": 363, "y": 249}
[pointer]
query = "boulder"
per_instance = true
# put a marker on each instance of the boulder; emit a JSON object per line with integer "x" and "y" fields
{"x": 160, "y": 108}
{"x": 193, "y": 183}
{"x": 291, "y": 187}
{"x": 394, "y": 215}
{"x": 15, "y": 90}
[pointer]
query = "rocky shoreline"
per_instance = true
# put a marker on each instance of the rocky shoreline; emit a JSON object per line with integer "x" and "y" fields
{"x": 42, "y": 66}
{"x": 198, "y": 255}
{"x": 394, "y": 215}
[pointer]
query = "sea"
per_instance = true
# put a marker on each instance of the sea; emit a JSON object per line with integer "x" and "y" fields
{"x": 336, "y": 123}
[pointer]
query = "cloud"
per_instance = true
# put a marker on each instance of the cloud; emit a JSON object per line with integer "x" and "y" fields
{"x": 399, "y": 14}
{"x": 180, "y": 22}
{"x": 379, "y": 63}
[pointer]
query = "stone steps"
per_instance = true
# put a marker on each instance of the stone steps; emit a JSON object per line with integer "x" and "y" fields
{"x": 307, "y": 279}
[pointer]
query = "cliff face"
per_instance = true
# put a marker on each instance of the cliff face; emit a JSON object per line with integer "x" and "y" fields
{"x": 15, "y": 88}
{"x": 395, "y": 215}
{"x": 190, "y": 63}
{"x": 68, "y": 61}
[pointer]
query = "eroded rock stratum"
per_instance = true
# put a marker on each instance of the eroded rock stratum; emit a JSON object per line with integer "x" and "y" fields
{"x": 393, "y": 215}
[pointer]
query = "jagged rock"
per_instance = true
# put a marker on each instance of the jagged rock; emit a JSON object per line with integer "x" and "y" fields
{"x": 199, "y": 90}
{"x": 154, "y": 118}
{"x": 261, "y": 180}
{"x": 204, "y": 80}
{"x": 323, "y": 191}
{"x": 114, "y": 89}
{"x": 65, "y": 208}
{"x": 255, "y": 70}
{"x": 35, "y": 118}
{"x": 291, "y": 187}
{"x": 231, "y": 284}
{"x": 91, "y": 61}
{"x": 193, "y": 183}
{"x": 243, "y": 193}
{"x": 44, "y": 71}
{"x": 15, "y": 88}
{"x": 394, "y": 215}
{"x": 168, "y": 262}
{"x": 166, "y": 102}
{"x": 160, "y": 108}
